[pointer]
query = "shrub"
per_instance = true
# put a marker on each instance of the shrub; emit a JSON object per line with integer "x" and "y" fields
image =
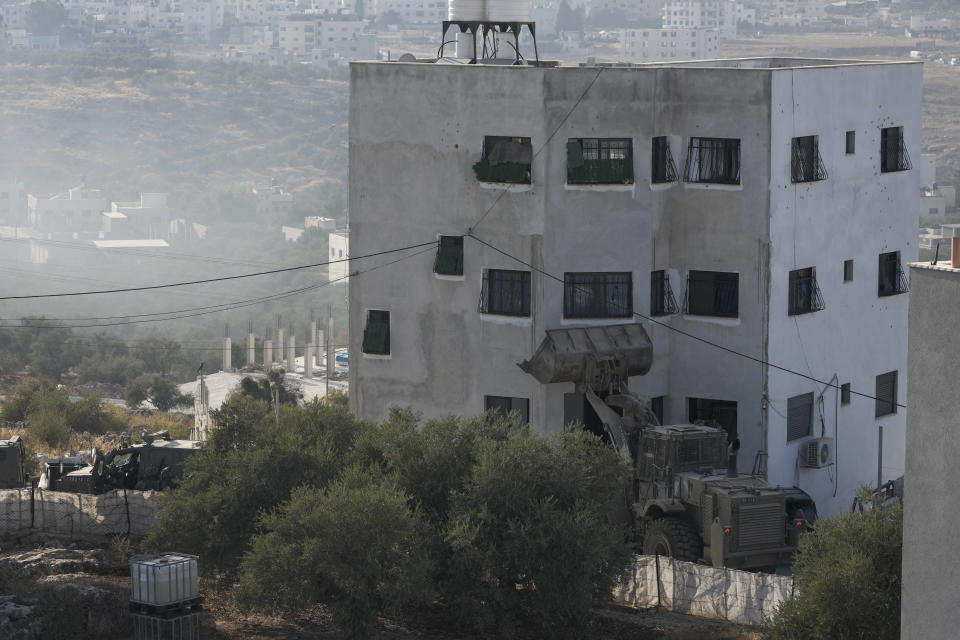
{"x": 48, "y": 423}
{"x": 847, "y": 575}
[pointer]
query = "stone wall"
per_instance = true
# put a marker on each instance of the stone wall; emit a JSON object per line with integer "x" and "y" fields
{"x": 76, "y": 516}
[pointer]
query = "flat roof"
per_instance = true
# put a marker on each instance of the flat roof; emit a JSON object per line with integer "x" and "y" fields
{"x": 942, "y": 265}
{"x": 114, "y": 214}
{"x": 130, "y": 244}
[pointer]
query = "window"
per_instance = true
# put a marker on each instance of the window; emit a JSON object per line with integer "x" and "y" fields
{"x": 893, "y": 151}
{"x": 804, "y": 293}
{"x": 806, "y": 164}
{"x": 597, "y": 295}
{"x": 449, "y": 261}
{"x": 891, "y": 279}
{"x": 656, "y": 407}
{"x": 662, "y": 167}
{"x": 799, "y": 416}
{"x": 845, "y": 393}
{"x": 376, "y": 335}
{"x": 886, "y": 394}
{"x": 505, "y": 159}
{"x": 851, "y": 142}
{"x": 600, "y": 161}
{"x": 715, "y": 413}
{"x": 713, "y": 293}
{"x": 713, "y": 160}
{"x": 505, "y": 293}
{"x": 847, "y": 270}
{"x": 504, "y": 405}
{"x": 662, "y": 302}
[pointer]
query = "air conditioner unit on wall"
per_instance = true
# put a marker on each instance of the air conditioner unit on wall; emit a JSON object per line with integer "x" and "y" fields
{"x": 817, "y": 453}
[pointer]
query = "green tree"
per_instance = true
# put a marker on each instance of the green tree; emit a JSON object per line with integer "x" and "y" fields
{"x": 47, "y": 418}
{"x": 27, "y": 394}
{"x": 137, "y": 391}
{"x": 160, "y": 391}
{"x": 569, "y": 19}
{"x": 46, "y": 17}
{"x": 847, "y": 576}
{"x": 88, "y": 414}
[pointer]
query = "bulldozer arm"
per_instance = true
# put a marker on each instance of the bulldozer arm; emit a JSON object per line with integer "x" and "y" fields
{"x": 611, "y": 422}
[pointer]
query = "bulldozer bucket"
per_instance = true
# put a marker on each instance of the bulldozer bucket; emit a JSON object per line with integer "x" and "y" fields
{"x": 567, "y": 355}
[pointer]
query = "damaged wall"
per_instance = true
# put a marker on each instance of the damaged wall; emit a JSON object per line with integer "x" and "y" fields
{"x": 77, "y": 516}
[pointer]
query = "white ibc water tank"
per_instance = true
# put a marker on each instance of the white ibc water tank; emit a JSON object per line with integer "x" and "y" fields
{"x": 472, "y": 10}
{"x": 508, "y": 10}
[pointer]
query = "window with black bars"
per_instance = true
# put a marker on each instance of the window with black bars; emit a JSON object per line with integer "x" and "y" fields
{"x": 509, "y": 407}
{"x": 893, "y": 151}
{"x": 663, "y": 168}
{"x": 713, "y": 160}
{"x": 662, "y": 302}
{"x": 712, "y": 293}
{"x": 376, "y": 334}
{"x": 505, "y": 293}
{"x": 600, "y": 161}
{"x": 886, "y": 394}
{"x": 799, "y": 417}
{"x": 804, "y": 293}
{"x": 597, "y": 295}
{"x": 505, "y": 159}
{"x": 806, "y": 164}
{"x": 891, "y": 279}
{"x": 449, "y": 261}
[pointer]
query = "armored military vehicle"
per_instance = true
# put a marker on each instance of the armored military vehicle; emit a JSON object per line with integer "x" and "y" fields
{"x": 687, "y": 498}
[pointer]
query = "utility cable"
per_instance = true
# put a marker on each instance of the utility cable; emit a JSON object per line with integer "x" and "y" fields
{"x": 687, "y": 333}
{"x": 219, "y": 279}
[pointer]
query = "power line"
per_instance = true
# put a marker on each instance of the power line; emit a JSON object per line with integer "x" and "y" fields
{"x": 219, "y": 279}
{"x": 542, "y": 147}
{"x": 687, "y": 333}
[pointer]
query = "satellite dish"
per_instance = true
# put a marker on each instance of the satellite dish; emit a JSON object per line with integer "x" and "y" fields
{"x": 407, "y": 57}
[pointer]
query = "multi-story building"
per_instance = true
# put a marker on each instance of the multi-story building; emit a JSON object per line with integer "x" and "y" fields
{"x": 273, "y": 201}
{"x": 672, "y": 45}
{"x": 298, "y": 37}
{"x": 77, "y": 211}
{"x": 702, "y": 14}
{"x": 147, "y": 218}
{"x": 339, "y": 269}
{"x": 752, "y": 214}
{"x": 13, "y": 201}
{"x": 412, "y": 11}
{"x": 631, "y": 10}
{"x": 798, "y": 13}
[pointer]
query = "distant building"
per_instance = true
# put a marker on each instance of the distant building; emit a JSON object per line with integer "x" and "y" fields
{"x": 429, "y": 12}
{"x": 77, "y": 211}
{"x": 13, "y": 201}
{"x": 660, "y": 45}
{"x": 923, "y": 27}
{"x": 147, "y": 218}
{"x": 720, "y": 15}
{"x": 273, "y": 201}
{"x": 339, "y": 250}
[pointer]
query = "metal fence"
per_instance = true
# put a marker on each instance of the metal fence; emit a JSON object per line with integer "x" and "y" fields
{"x": 77, "y": 516}
{"x": 741, "y": 597}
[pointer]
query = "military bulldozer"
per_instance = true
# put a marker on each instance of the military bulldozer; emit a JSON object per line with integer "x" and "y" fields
{"x": 686, "y": 499}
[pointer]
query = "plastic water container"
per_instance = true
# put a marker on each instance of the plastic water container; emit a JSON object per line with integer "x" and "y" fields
{"x": 509, "y": 11}
{"x": 472, "y": 10}
{"x": 164, "y": 579}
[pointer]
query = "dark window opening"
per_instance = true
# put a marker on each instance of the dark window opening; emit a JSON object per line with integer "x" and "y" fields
{"x": 505, "y": 293}
{"x": 713, "y": 293}
{"x": 886, "y": 394}
{"x": 376, "y": 335}
{"x": 804, "y": 293}
{"x": 449, "y": 261}
{"x": 656, "y": 407}
{"x": 893, "y": 151}
{"x": 662, "y": 302}
{"x": 597, "y": 295}
{"x": 845, "y": 393}
{"x": 506, "y": 406}
{"x": 847, "y": 270}
{"x": 600, "y": 161}
{"x": 799, "y": 417}
{"x": 663, "y": 168}
{"x": 715, "y": 160}
{"x": 714, "y": 413}
{"x": 806, "y": 164}
{"x": 505, "y": 159}
{"x": 851, "y": 142}
{"x": 891, "y": 279}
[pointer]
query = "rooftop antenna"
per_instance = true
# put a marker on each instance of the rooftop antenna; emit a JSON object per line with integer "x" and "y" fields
{"x": 936, "y": 255}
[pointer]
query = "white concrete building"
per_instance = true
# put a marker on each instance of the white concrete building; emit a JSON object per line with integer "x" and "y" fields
{"x": 273, "y": 201}
{"x": 702, "y": 14}
{"x": 13, "y": 201}
{"x": 147, "y": 218}
{"x": 339, "y": 242}
{"x": 429, "y": 12}
{"x": 298, "y": 37}
{"x": 668, "y": 45}
{"x": 744, "y": 202}
{"x": 77, "y": 211}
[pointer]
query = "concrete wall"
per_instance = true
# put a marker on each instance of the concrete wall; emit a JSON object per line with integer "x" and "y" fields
{"x": 75, "y": 516}
{"x": 856, "y": 213}
{"x": 929, "y": 604}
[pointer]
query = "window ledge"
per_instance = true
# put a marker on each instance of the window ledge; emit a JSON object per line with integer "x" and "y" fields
{"x": 512, "y": 187}
{"x": 661, "y": 186}
{"x": 593, "y": 322}
{"x": 377, "y": 356}
{"x": 518, "y": 321}
{"x": 724, "y": 322}
{"x": 598, "y": 187}
{"x": 713, "y": 186}
{"x": 442, "y": 276}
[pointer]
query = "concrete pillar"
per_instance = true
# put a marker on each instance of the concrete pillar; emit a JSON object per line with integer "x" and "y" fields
{"x": 251, "y": 345}
{"x": 308, "y": 361}
{"x": 280, "y": 344}
{"x": 227, "y": 354}
{"x": 291, "y": 355}
{"x": 321, "y": 345}
{"x": 267, "y": 355}
{"x": 312, "y": 336}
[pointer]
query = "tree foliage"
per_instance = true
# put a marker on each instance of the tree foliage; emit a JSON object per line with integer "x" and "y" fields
{"x": 45, "y": 17}
{"x": 160, "y": 391}
{"x": 51, "y": 414}
{"x": 847, "y": 575}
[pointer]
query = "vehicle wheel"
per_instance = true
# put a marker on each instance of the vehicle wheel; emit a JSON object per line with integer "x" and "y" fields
{"x": 674, "y": 537}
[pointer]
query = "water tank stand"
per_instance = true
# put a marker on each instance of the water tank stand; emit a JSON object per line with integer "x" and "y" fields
{"x": 484, "y": 27}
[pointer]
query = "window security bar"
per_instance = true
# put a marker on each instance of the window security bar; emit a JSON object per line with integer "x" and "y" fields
{"x": 662, "y": 300}
{"x": 806, "y": 164}
{"x": 805, "y": 294}
{"x": 664, "y": 169}
{"x": 713, "y": 160}
{"x": 893, "y": 151}
{"x": 892, "y": 279}
{"x": 712, "y": 294}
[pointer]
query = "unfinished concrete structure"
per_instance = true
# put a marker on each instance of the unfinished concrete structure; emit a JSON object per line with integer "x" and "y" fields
{"x": 762, "y": 205}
